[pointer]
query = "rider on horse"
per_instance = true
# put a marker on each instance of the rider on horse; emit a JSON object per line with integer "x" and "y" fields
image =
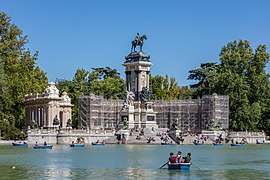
{"x": 137, "y": 38}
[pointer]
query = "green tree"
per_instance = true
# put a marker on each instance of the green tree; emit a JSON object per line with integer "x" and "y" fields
{"x": 185, "y": 92}
{"x": 107, "y": 72}
{"x": 19, "y": 74}
{"x": 204, "y": 75}
{"x": 101, "y": 81}
{"x": 165, "y": 89}
{"x": 156, "y": 84}
{"x": 241, "y": 75}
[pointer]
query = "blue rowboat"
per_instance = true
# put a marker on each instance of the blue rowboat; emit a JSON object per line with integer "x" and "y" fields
{"x": 19, "y": 144}
{"x": 164, "y": 143}
{"x": 260, "y": 143}
{"x": 43, "y": 147}
{"x": 218, "y": 144}
{"x": 98, "y": 144}
{"x": 183, "y": 166}
{"x": 76, "y": 145}
{"x": 237, "y": 144}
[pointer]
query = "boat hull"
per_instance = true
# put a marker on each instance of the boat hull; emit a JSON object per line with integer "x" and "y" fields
{"x": 260, "y": 142}
{"x": 43, "y": 147}
{"x": 76, "y": 145}
{"x": 19, "y": 144}
{"x": 237, "y": 144}
{"x": 98, "y": 144}
{"x": 216, "y": 144}
{"x": 183, "y": 166}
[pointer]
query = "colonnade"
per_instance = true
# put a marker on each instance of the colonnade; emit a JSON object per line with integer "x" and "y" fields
{"x": 36, "y": 114}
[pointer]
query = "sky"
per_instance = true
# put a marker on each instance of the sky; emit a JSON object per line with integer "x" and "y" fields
{"x": 181, "y": 35}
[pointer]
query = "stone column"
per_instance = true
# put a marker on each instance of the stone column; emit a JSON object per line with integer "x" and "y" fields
{"x": 147, "y": 78}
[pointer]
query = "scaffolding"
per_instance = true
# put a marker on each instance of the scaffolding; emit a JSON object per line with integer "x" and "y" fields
{"x": 95, "y": 112}
{"x": 193, "y": 114}
{"x": 185, "y": 111}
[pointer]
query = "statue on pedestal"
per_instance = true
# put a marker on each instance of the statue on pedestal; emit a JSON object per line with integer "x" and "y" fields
{"x": 175, "y": 125}
{"x": 69, "y": 123}
{"x": 56, "y": 120}
{"x": 125, "y": 124}
{"x": 145, "y": 94}
{"x": 138, "y": 41}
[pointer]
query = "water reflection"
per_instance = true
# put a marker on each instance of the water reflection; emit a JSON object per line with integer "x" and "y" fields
{"x": 132, "y": 162}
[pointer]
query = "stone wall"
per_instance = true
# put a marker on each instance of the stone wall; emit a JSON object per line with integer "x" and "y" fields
{"x": 52, "y": 136}
{"x": 249, "y": 137}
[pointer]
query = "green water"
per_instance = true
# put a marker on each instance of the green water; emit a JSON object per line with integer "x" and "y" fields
{"x": 134, "y": 162}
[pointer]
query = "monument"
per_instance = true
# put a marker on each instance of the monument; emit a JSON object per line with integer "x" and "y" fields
{"x": 137, "y": 108}
{"x": 48, "y": 110}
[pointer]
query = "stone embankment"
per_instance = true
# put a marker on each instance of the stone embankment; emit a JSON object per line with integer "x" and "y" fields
{"x": 137, "y": 136}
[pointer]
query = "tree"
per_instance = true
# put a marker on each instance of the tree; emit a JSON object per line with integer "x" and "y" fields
{"x": 240, "y": 75}
{"x": 185, "y": 92}
{"x": 18, "y": 75}
{"x": 107, "y": 72}
{"x": 101, "y": 81}
{"x": 156, "y": 84}
{"x": 165, "y": 89}
{"x": 204, "y": 74}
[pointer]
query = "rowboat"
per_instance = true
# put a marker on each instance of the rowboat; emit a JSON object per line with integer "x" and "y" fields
{"x": 19, "y": 144}
{"x": 76, "y": 145}
{"x": 260, "y": 143}
{"x": 237, "y": 144}
{"x": 183, "y": 166}
{"x": 218, "y": 144}
{"x": 98, "y": 144}
{"x": 166, "y": 143}
{"x": 43, "y": 147}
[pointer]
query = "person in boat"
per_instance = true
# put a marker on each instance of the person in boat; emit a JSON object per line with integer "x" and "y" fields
{"x": 172, "y": 158}
{"x": 36, "y": 143}
{"x": 179, "y": 157}
{"x": 188, "y": 158}
{"x": 72, "y": 142}
{"x": 45, "y": 143}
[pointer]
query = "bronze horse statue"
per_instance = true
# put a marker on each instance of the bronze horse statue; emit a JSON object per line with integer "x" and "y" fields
{"x": 138, "y": 43}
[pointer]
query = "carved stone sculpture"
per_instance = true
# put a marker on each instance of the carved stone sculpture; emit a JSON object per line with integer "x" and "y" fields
{"x": 56, "y": 120}
{"x": 129, "y": 101}
{"x": 145, "y": 94}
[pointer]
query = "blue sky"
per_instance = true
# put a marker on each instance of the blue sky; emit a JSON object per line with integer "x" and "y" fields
{"x": 98, "y": 33}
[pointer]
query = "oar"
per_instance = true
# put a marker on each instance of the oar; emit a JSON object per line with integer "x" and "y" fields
{"x": 164, "y": 164}
{"x": 196, "y": 166}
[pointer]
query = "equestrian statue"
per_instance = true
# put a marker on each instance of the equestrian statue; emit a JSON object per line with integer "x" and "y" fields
{"x": 138, "y": 41}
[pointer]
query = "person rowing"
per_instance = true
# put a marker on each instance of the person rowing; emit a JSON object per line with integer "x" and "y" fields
{"x": 172, "y": 158}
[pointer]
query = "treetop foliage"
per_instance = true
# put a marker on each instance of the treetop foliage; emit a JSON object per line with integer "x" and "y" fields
{"x": 241, "y": 75}
{"x": 18, "y": 76}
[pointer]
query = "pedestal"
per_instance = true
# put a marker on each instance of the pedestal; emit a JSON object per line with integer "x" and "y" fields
{"x": 124, "y": 136}
{"x": 148, "y": 116}
{"x": 174, "y": 134}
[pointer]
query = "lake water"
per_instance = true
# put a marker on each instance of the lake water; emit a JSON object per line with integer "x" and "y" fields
{"x": 134, "y": 162}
